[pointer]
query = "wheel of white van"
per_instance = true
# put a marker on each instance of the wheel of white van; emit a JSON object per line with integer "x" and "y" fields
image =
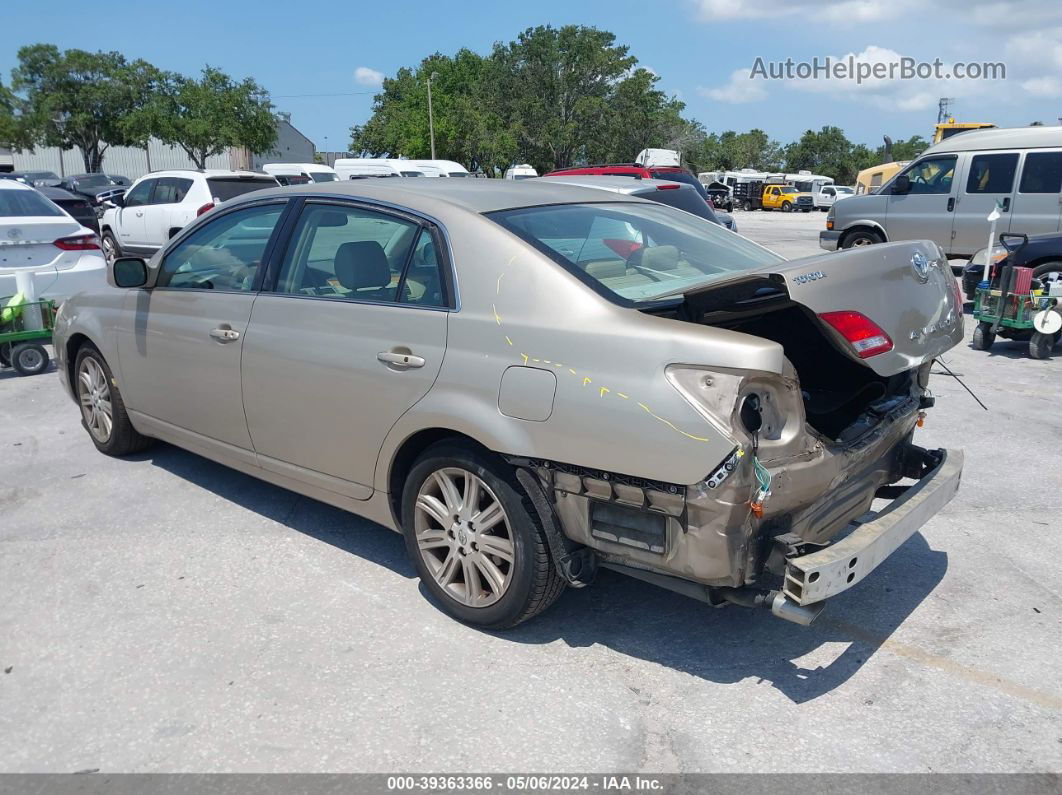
{"x": 1040, "y": 345}
{"x": 29, "y": 358}
{"x": 111, "y": 249}
{"x": 787, "y": 207}
{"x": 102, "y": 409}
{"x": 476, "y": 539}
{"x": 860, "y": 238}
{"x": 983, "y": 337}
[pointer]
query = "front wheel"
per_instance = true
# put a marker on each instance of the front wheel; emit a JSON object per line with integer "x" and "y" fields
{"x": 475, "y": 538}
{"x": 983, "y": 337}
{"x": 859, "y": 239}
{"x": 30, "y": 358}
{"x": 102, "y": 409}
{"x": 787, "y": 207}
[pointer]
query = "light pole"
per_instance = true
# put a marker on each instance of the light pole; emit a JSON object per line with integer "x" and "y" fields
{"x": 431, "y": 121}
{"x": 59, "y": 120}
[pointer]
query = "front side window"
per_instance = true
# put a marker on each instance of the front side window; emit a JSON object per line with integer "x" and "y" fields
{"x": 635, "y": 251}
{"x": 357, "y": 254}
{"x": 992, "y": 173}
{"x": 1042, "y": 173}
{"x": 224, "y": 254}
{"x": 140, "y": 194}
{"x": 932, "y": 175}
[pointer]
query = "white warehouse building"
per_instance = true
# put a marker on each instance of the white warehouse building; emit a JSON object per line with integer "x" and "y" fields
{"x": 133, "y": 162}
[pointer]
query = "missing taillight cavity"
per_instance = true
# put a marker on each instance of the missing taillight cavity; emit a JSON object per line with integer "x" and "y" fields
{"x": 865, "y": 336}
{"x": 79, "y": 243}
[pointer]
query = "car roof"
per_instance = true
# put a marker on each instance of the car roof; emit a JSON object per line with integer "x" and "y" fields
{"x": 999, "y": 138}
{"x": 206, "y": 172}
{"x": 477, "y": 195}
{"x": 626, "y": 185}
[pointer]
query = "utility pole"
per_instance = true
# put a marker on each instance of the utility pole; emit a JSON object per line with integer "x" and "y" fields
{"x": 431, "y": 121}
{"x": 943, "y": 108}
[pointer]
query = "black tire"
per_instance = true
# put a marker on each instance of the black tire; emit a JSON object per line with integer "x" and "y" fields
{"x": 860, "y": 237}
{"x": 983, "y": 337}
{"x": 787, "y": 207}
{"x": 747, "y": 206}
{"x": 123, "y": 438}
{"x": 1040, "y": 345}
{"x": 111, "y": 249}
{"x": 1045, "y": 268}
{"x": 29, "y": 358}
{"x": 534, "y": 583}
{"x": 5, "y": 354}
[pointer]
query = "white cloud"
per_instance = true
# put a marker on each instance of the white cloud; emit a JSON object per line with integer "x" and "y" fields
{"x": 1044, "y": 86}
{"x": 738, "y": 90}
{"x": 365, "y": 76}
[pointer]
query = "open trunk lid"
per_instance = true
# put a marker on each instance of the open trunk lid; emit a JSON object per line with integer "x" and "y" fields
{"x": 906, "y": 289}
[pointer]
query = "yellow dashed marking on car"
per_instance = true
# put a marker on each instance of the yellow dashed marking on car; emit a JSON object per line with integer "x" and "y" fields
{"x": 586, "y": 380}
{"x": 509, "y": 340}
{"x": 570, "y": 370}
{"x": 497, "y": 317}
{"x": 625, "y": 397}
{"x": 603, "y": 391}
{"x": 525, "y": 357}
{"x": 500, "y": 278}
{"x": 672, "y": 425}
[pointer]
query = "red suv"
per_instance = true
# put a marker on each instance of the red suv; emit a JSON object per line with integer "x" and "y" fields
{"x": 673, "y": 173}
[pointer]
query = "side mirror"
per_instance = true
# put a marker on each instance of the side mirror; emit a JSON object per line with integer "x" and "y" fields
{"x": 117, "y": 200}
{"x": 902, "y": 185}
{"x": 127, "y": 272}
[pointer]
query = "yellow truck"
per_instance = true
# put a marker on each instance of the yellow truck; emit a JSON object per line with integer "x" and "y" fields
{"x": 948, "y": 128}
{"x": 756, "y": 195}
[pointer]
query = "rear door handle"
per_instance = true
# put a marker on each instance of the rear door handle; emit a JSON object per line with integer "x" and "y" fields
{"x": 225, "y": 334}
{"x": 951, "y": 203}
{"x": 401, "y": 359}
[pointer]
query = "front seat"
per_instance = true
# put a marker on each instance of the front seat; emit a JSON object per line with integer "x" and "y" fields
{"x": 362, "y": 267}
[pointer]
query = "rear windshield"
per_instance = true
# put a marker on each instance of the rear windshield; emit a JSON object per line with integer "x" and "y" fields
{"x": 323, "y": 176}
{"x": 635, "y": 251}
{"x": 225, "y": 188}
{"x": 681, "y": 176}
{"x": 25, "y": 204}
{"x": 95, "y": 181}
{"x": 682, "y": 199}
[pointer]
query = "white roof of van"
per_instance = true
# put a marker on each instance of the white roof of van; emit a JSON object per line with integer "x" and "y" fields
{"x": 999, "y": 138}
{"x": 295, "y": 168}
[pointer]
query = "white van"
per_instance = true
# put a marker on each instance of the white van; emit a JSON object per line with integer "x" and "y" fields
{"x": 947, "y": 192}
{"x": 658, "y": 157}
{"x": 361, "y": 167}
{"x": 441, "y": 168}
{"x": 300, "y": 173}
{"x": 524, "y": 171}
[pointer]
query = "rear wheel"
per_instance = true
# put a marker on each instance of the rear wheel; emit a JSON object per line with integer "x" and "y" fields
{"x": 102, "y": 409}
{"x": 29, "y": 358}
{"x": 1040, "y": 345}
{"x": 746, "y": 205}
{"x": 475, "y": 538}
{"x": 859, "y": 238}
{"x": 983, "y": 337}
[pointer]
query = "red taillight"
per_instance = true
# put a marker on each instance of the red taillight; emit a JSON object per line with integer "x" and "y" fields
{"x": 204, "y": 209}
{"x": 668, "y": 187}
{"x": 865, "y": 336}
{"x": 79, "y": 243}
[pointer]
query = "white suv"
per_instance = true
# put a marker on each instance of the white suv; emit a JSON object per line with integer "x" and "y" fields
{"x": 158, "y": 205}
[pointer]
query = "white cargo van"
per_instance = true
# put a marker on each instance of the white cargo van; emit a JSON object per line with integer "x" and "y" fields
{"x": 294, "y": 173}
{"x": 361, "y": 167}
{"x": 523, "y": 171}
{"x": 947, "y": 192}
{"x": 441, "y": 168}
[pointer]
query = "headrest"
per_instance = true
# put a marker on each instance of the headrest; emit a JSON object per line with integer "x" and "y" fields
{"x": 606, "y": 268}
{"x": 660, "y": 258}
{"x": 362, "y": 264}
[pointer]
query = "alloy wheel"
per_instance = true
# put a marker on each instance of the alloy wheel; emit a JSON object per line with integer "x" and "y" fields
{"x": 464, "y": 537}
{"x": 94, "y": 394}
{"x": 108, "y": 248}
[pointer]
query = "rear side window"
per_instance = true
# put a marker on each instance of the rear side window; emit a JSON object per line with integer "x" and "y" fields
{"x": 225, "y": 188}
{"x": 170, "y": 190}
{"x": 348, "y": 253}
{"x": 224, "y": 254}
{"x": 1042, "y": 173}
{"x": 25, "y": 204}
{"x": 992, "y": 173}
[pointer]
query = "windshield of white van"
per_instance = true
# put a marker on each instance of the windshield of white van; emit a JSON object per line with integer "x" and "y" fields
{"x": 323, "y": 176}
{"x": 635, "y": 251}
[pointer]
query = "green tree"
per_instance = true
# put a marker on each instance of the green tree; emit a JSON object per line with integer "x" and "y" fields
{"x": 829, "y": 152}
{"x": 13, "y": 129}
{"x": 76, "y": 98}
{"x": 207, "y": 116}
{"x": 903, "y": 150}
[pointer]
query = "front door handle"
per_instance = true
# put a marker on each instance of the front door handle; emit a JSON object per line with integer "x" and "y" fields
{"x": 401, "y": 359}
{"x": 951, "y": 203}
{"x": 1006, "y": 203}
{"x": 225, "y": 334}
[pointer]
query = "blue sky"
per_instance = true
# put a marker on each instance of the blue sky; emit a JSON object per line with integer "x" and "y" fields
{"x": 701, "y": 50}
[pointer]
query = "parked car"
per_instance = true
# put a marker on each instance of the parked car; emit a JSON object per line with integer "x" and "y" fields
{"x": 722, "y": 197}
{"x": 77, "y": 207}
{"x": 673, "y": 194}
{"x": 946, "y": 193}
{"x": 1042, "y": 253}
{"x": 363, "y": 167}
{"x": 159, "y": 205}
{"x": 524, "y": 171}
{"x": 441, "y": 168}
{"x": 35, "y": 234}
{"x": 528, "y": 380}
{"x": 42, "y": 178}
{"x": 97, "y": 188}
{"x": 825, "y": 196}
{"x": 300, "y": 173}
{"x": 636, "y": 170}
